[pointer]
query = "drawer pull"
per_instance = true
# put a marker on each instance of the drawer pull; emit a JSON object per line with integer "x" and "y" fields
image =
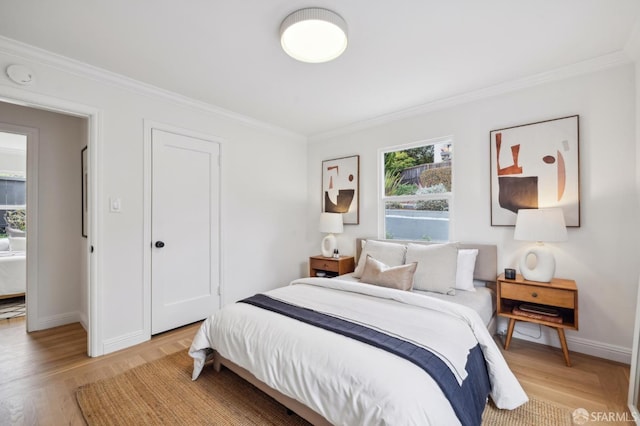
{"x": 534, "y": 294}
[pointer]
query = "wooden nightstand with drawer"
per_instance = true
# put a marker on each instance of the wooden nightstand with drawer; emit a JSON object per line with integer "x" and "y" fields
{"x": 329, "y": 266}
{"x": 554, "y": 304}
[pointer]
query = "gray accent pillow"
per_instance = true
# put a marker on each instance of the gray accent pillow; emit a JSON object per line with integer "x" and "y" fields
{"x": 391, "y": 254}
{"x": 437, "y": 264}
{"x": 398, "y": 277}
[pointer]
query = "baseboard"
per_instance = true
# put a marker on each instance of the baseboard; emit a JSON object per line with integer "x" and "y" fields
{"x": 547, "y": 336}
{"x": 124, "y": 341}
{"x": 84, "y": 322}
{"x": 599, "y": 349}
{"x": 44, "y": 323}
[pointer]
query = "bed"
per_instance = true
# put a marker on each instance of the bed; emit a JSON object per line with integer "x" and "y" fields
{"x": 344, "y": 351}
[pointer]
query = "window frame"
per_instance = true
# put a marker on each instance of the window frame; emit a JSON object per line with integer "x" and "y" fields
{"x": 383, "y": 198}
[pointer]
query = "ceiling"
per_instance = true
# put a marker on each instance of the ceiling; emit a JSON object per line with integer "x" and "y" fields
{"x": 401, "y": 54}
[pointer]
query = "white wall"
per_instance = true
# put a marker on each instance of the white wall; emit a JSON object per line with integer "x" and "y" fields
{"x": 58, "y": 240}
{"x": 601, "y": 255}
{"x": 632, "y": 49}
{"x": 264, "y": 188}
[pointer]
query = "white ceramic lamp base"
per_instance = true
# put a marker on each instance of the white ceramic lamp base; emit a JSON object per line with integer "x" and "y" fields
{"x": 329, "y": 244}
{"x": 545, "y": 267}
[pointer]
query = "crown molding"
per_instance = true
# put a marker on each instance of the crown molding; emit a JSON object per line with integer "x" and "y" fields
{"x": 585, "y": 67}
{"x": 46, "y": 58}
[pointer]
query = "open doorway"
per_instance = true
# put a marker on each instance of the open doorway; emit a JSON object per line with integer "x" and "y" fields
{"x": 13, "y": 220}
{"x": 55, "y": 236}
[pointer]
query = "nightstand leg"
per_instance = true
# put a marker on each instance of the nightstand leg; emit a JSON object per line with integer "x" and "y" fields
{"x": 507, "y": 342}
{"x": 563, "y": 343}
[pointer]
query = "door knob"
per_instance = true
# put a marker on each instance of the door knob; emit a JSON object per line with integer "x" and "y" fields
{"x": 159, "y": 244}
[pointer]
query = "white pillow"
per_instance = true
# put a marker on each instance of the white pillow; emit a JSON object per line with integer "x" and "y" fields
{"x": 465, "y": 269}
{"x": 18, "y": 243}
{"x": 437, "y": 264}
{"x": 391, "y": 254}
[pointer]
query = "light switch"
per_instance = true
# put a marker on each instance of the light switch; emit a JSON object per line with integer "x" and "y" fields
{"x": 115, "y": 205}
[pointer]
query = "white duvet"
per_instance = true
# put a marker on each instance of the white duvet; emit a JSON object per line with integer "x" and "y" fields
{"x": 346, "y": 381}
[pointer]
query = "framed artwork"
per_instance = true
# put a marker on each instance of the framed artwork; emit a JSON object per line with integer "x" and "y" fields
{"x": 85, "y": 203}
{"x": 340, "y": 188}
{"x": 534, "y": 166}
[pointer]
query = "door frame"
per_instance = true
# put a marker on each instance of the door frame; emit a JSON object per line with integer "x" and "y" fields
{"x": 31, "y": 152}
{"x": 149, "y": 126}
{"x": 93, "y": 116}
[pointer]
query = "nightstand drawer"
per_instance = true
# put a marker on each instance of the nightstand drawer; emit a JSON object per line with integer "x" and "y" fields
{"x": 542, "y": 295}
{"x": 324, "y": 265}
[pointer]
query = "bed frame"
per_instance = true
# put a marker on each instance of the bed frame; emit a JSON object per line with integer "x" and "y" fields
{"x": 291, "y": 404}
{"x": 486, "y": 270}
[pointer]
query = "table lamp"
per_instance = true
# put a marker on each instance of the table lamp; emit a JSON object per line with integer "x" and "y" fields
{"x": 330, "y": 223}
{"x": 540, "y": 225}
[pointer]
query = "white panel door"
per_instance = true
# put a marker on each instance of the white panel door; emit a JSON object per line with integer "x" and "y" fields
{"x": 185, "y": 230}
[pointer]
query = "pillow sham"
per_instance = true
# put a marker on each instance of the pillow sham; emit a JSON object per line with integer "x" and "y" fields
{"x": 391, "y": 254}
{"x": 437, "y": 264}
{"x": 398, "y": 277}
{"x": 465, "y": 269}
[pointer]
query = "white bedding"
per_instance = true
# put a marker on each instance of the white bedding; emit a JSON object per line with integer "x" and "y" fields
{"x": 13, "y": 273}
{"x": 482, "y": 300}
{"x": 344, "y": 380}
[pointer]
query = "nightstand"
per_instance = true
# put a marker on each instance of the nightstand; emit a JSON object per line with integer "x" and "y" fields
{"x": 332, "y": 267}
{"x": 553, "y": 304}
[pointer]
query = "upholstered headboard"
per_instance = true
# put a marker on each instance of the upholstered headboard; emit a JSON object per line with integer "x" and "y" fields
{"x": 486, "y": 262}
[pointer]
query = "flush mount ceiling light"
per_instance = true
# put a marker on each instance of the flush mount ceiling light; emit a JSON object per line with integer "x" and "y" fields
{"x": 313, "y": 35}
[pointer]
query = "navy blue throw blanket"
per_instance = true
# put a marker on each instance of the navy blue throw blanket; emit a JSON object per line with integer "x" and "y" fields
{"x": 468, "y": 400}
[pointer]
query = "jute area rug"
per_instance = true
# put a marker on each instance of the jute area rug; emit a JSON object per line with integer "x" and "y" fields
{"x": 162, "y": 393}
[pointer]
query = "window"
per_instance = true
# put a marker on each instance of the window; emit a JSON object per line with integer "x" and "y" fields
{"x": 416, "y": 190}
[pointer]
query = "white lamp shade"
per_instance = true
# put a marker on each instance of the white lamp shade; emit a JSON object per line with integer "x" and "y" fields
{"x": 540, "y": 225}
{"x": 313, "y": 35}
{"x": 331, "y": 223}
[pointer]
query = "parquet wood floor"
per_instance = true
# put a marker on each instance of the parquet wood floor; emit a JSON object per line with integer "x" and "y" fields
{"x": 40, "y": 371}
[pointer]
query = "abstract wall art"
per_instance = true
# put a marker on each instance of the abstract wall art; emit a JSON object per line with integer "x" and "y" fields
{"x": 340, "y": 188}
{"x": 534, "y": 166}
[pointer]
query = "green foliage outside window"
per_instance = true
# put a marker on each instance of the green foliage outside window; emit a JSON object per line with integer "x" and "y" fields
{"x": 396, "y": 162}
{"x": 16, "y": 219}
{"x": 440, "y": 175}
{"x": 432, "y": 205}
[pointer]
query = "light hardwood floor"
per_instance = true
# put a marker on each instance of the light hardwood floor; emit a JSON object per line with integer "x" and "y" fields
{"x": 595, "y": 384}
{"x": 40, "y": 371}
